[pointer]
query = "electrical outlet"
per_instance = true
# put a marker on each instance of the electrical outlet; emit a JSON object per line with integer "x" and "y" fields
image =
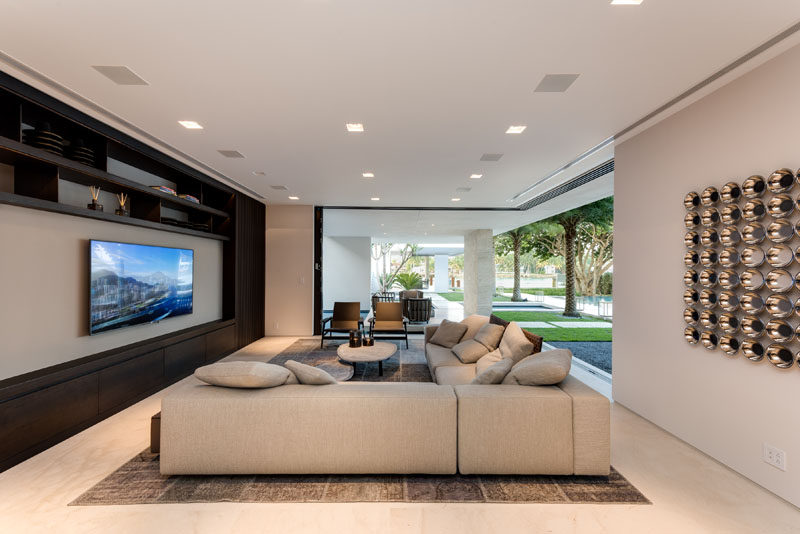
{"x": 775, "y": 457}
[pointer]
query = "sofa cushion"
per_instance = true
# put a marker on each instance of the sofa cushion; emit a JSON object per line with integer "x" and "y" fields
{"x": 455, "y": 375}
{"x": 309, "y": 375}
{"x": 490, "y": 335}
{"x": 470, "y": 351}
{"x": 533, "y": 338}
{"x": 448, "y": 334}
{"x": 487, "y": 361}
{"x": 243, "y": 374}
{"x": 543, "y": 369}
{"x": 474, "y": 323}
{"x": 514, "y": 344}
{"x": 439, "y": 356}
{"x": 495, "y": 373}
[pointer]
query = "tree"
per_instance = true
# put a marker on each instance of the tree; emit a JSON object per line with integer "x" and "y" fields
{"x": 517, "y": 241}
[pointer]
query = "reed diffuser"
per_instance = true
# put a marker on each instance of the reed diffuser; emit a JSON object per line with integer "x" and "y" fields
{"x": 96, "y": 206}
{"x": 122, "y": 210}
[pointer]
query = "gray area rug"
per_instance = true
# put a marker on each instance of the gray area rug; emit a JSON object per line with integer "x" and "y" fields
{"x": 597, "y": 353}
{"x": 139, "y": 482}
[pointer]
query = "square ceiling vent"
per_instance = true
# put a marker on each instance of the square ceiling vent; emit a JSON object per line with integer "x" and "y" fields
{"x": 463, "y": 189}
{"x": 120, "y": 75}
{"x": 491, "y": 157}
{"x": 279, "y": 187}
{"x": 231, "y": 153}
{"x": 556, "y": 83}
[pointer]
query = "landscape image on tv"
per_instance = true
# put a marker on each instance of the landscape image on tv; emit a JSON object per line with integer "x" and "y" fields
{"x": 136, "y": 284}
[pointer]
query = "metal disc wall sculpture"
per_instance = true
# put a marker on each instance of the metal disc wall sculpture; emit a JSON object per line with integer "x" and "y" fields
{"x": 741, "y": 268}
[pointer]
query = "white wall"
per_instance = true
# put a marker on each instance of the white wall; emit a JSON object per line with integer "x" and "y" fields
{"x": 290, "y": 271}
{"x": 726, "y": 407}
{"x": 346, "y": 263}
{"x": 44, "y": 287}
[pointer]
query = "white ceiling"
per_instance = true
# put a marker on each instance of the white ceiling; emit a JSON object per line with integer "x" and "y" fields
{"x": 435, "y": 83}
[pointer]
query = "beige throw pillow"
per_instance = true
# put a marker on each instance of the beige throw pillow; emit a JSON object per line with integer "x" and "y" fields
{"x": 310, "y": 375}
{"x": 448, "y": 334}
{"x": 541, "y": 369}
{"x": 495, "y": 373}
{"x": 474, "y": 323}
{"x": 243, "y": 374}
{"x": 490, "y": 335}
{"x": 487, "y": 361}
{"x": 514, "y": 344}
{"x": 470, "y": 351}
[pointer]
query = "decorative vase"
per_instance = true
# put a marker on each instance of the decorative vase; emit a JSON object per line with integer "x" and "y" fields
{"x": 369, "y": 341}
{"x": 355, "y": 339}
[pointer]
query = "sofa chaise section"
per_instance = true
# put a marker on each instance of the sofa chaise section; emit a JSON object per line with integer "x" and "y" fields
{"x": 354, "y": 428}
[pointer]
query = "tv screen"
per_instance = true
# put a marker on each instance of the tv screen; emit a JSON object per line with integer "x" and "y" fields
{"x": 135, "y": 284}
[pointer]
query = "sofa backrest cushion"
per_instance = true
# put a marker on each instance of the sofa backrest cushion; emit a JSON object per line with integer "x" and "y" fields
{"x": 243, "y": 374}
{"x": 474, "y": 323}
{"x": 514, "y": 344}
{"x": 448, "y": 334}
{"x": 490, "y": 335}
{"x": 487, "y": 361}
{"x": 533, "y": 338}
{"x": 470, "y": 351}
{"x": 307, "y": 374}
{"x": 495, "y": 373}
{"x": 543, "y": 369}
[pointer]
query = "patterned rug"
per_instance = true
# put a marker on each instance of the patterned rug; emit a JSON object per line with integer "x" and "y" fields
{"x": 139, "y": 482}
{"x": 407, "y": 365}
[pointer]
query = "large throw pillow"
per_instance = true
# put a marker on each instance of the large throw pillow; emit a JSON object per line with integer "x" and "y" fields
{"x": 490, "y": 335}
{"x": 541, "y": 369}
{"x": 474, "y": 323}
{"x": 514, "y": 344}
{"x": 243, "y": 374}
{"x": 495, "y": 373}
{"x": 448, "y": 334}
{"x": 310, "y": 375}
{"x": 470, "y": 351}
{"x": 487, "y": 361}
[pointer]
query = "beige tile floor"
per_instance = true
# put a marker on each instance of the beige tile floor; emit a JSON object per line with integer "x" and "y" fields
{"x": 691, "y": 493}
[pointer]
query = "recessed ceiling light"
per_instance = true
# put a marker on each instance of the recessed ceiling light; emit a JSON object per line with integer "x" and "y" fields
{"x": 368, "y": 174}
{"x": 456, "y": 199}
{"x": 476, "y": 176}
{"x": 120, "y": 74}
{"x": 354, "y": 127}
{"x": 191, "y": 125}
{"x": 625, "y": 2}
{"x": 381, "y": 224}
{"x": 515, "y": 129}
{"x": 231, "y": 153}
{"x": 259, "y": 173}
{"x": 375, "y": 198}
{"x": 433, "y": 224}
{"x": 294, "y": 198}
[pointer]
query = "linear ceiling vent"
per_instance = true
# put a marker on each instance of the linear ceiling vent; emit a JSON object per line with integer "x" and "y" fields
{"x": 279, "y": 187}
{"x": 231, "y": 153}
{"x": 463, "y": 189}
{"x": 491, "y": 157}
{"x": 120, "y": 75}
{"x": 583, "y": 179}
{"x": 556, "y": 83}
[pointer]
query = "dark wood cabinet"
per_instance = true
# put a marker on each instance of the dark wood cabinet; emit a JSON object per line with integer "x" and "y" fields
{"x": 182, "y": 358}
{"x": 130, "y": 379}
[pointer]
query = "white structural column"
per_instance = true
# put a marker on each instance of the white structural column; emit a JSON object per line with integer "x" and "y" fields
{"x": 441, "y": 276}
{"x": 478, "y": 272}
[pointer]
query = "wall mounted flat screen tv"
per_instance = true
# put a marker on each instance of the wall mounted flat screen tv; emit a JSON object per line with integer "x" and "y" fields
{"x": 137, "y": 284}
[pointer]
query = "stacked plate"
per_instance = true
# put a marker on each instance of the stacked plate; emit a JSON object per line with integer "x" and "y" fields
{"x": 42, "y": 137}
{"x": 81, "y": 154}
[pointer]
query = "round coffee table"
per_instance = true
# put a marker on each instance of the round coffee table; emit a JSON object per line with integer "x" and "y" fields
{"x": 376, "y": 353}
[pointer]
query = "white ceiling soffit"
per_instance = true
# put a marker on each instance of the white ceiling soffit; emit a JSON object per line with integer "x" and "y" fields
{"x": 435, "y": 84}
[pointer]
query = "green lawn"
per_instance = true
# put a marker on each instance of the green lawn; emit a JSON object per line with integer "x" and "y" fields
{"x": 458, "y": 296}
{"x": 572, "y": 334}
{"x": 540, "y": 316}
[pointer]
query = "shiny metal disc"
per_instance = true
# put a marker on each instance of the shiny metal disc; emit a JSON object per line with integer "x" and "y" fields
{"x": 691, "y": 316}
{"x": 708, "y": 278}
{"x": 779, "y": 281}
{"x": 753, "y": 256}
{"x": 691, "y": 296}
{"x": 780, "y": 206}
{"x": 779, "y": 306}
{"x": 691, "y": 200}
{"x": 709, "y": 339}
{"x": 728, "y": 300}
{"x": 710, "y": 217}
{"x": 753, "y": 210}
{"x": 780, "y": 230}
{"x": 780, "y": 356}
{"x": 691, "y": 239}
{"x": 728, "y": 322}
{"x": 751, "y": 303}
{"x": 729, "y": 345}
{"x": 728, "y": 279}
{"x": 709, "y": 237}
{"x": 780, "y": 330}
{"x": 753, "y": 350}
{"x": 753, "y": 233}
{"x": 730, "y": 192}
{"x": 691, "y": 335}
{"x": 781, "y": 181}
{"x": 709, "y": 257}
{"x": 752, "y": 326}
{"x": 754, "y": 186}
{"x": 708, "y": 319}
{"x": 691, "y": 258}
{"x": 730, "y": 235}
{"x": 780, "y": 255}
{"x": 752, "y": 279}
{"x": 731, "y": 214}
{"x": 708, "y": 298}
{"x": 729, "y": 257}
{"x": 691, "y": 277}
{"x": 709, "y": 196}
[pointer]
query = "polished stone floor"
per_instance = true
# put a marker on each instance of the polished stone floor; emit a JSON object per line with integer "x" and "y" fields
{"x": 691, "y": 493}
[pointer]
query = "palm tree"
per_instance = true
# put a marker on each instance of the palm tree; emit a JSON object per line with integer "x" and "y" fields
{"x": 517, "y": 241}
